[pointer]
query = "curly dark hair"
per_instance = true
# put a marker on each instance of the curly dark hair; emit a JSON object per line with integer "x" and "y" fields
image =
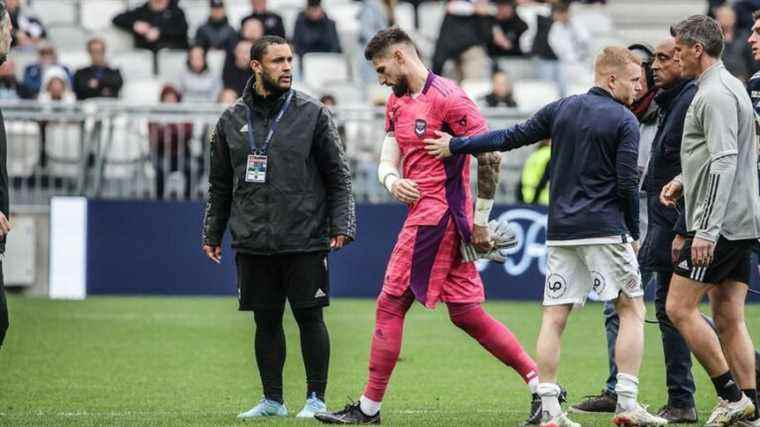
{"x": 385, "y": 39}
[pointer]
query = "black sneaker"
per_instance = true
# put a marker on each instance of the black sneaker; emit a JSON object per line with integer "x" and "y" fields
{"x": 351, "y": 414}
{"x": 599, "y": 404}
{"x": 535, "y": 407}
{"x": 678, "y": 415}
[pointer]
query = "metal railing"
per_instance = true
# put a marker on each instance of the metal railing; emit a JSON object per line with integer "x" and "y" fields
{"x": 109, "y": 149}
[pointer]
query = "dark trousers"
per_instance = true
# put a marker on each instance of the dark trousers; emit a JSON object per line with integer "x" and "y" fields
{"x": 677, "y": 355}
{"x": 4, "y": 323}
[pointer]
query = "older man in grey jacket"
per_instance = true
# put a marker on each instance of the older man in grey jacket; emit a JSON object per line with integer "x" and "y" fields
{"x": 719, "y": 183}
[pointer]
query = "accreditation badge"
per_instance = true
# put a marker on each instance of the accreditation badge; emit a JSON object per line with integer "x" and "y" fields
{"x": 256, "y": 169}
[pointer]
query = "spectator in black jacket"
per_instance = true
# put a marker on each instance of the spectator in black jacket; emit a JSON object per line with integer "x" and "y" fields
{"x": 315, "y": 31}
{"x": 501, "y": 94}
{"x": 507, "y": 29}
{"x": 273, "y": 25}
{"x": 97, "y": 80}
{"x": 237, "y": 67}
{"x": 737, "y": 54}
{"x": 157, "y": 24}
{"x": 465, "y": 31}
{"x": 216, "y": 33}
{"x": 28, "y": 30}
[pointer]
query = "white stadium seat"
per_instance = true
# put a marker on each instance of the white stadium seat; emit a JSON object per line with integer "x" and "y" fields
{"x": 56, "y": 11}
{"x": 24, "y": 151}
{"x": 96, "y": 15}
{"x": 141, "y": 91}
{"x": 404, "y": 13}
{"x": 68, "y": 36}
{"x": 137, "y": 64}
{"x": 74, "y": 59}
{"x": 531, "y": 95}
{"x": 476, "y": 88}
{"x": 345, "y": 16}
{"x": 116, "y": 40}
{"x": 171, "y": 63}
{"x": 320, "y": 68}
{"x": 431, "y": 16}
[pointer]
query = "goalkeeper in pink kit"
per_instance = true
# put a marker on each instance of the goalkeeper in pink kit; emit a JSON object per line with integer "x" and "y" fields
{"x": 427, "y": 262}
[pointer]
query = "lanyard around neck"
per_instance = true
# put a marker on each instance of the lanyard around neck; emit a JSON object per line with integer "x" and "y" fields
{"x": 268, "y": 140}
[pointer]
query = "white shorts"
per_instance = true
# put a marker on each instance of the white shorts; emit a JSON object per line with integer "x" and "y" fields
{"x": 574, "y": 271}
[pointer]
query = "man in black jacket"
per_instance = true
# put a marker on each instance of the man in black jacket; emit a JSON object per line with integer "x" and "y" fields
{"x": 158, "y": 24}
{"x": 216, "y": 33}
{"x": 279, "y": 177}
{"x": 272, "y": 22}
{"x": 5, "y": 226}
{"x": 97, "y": 80}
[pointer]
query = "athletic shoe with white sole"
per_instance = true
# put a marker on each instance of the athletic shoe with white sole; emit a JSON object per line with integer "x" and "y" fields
{"x": 727, "y": 413}
{"x": 637, "y": 417}
{"x": 312, "y": 406}
{"x": 265, "y": 408}
{"x": 560, "y": 420}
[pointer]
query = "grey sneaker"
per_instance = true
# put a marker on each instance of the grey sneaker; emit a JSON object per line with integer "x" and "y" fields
{"x": 678, "y": 415}
{"x": 748, "y": 423}
{"x": 638, "y": 416}
{"x": 605, "y": 402}
{"x": 727, "y": 413}
{"x": 265, "y": 408}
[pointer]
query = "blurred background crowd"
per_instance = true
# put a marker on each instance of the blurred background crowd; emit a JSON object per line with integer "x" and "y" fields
{"x": 511, "y": 56}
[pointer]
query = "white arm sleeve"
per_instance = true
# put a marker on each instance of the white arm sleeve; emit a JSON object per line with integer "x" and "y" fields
{"x": 390, "y": 158}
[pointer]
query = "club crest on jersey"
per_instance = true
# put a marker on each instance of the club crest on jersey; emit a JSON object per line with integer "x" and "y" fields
{"x": 420, "y": 126}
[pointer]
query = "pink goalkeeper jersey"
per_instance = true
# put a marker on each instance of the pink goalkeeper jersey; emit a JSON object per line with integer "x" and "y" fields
{"x": 444, "y": 185}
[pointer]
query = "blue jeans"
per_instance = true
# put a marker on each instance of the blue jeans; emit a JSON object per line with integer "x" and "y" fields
{"x": 677, "y": 355}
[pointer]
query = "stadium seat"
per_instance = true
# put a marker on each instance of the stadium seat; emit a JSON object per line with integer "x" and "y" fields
{"x": 594, "y": 19}
{"x": 74, "y": 59}
{"x": 171, "y": 63}
{"x": 141, "y": 91}
{"x": 404, "y": 13}
{"x": 289, "y": 15}
{"x": 125, "y": 146}
{"x": 215, "y": 60}
{"x": 518, "y": 68}
{"x": 237, "y": 11}
{"x": 96, "y": 15}
{"x": 431, "y": 16}
{"x": 24, "y": 152}
{"x": 196, "y": 14}
{"x": 56, "y": 11}
{"x": 344, "y": 92}
{"x": 137, "y": 64}
{"x": 116, "y": 40}
{"x": 63, "y": 149}
{"x": 475, "y": 88}
{"x": 316, "y": 66}
{"x": 531, "y": 95}
{"x": 68, "y": 36}
{"x": 345, "y": 16}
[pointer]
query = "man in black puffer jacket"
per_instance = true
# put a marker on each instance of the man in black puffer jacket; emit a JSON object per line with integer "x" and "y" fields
{"x": 279, "y": 177}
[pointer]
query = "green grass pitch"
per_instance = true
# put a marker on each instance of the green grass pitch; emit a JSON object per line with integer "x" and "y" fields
{"x": 188, "y": 361}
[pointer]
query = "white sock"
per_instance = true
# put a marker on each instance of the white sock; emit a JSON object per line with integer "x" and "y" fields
{"x": 549, "y": 399}
{"x": 533, "y": 385}
{"x": 627, "y": 390}
{"x": 369, "y": 406}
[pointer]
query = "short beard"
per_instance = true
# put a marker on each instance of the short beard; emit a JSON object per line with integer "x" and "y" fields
{"x": 270, "y": 85}
{"x": 401, "y": 88}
